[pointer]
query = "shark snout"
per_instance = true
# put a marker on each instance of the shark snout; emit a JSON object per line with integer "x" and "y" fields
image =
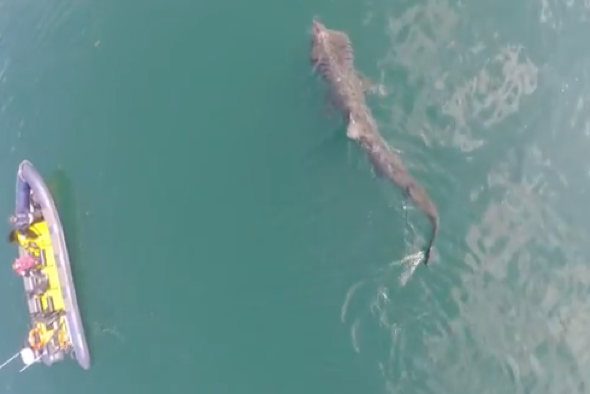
{"x": 317, "y": 27}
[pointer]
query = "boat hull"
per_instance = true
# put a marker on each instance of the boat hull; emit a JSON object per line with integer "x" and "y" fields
{"x": 30, "y": 183}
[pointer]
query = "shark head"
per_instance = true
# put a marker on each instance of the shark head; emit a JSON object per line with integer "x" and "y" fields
{"x": 319, "y": 33}
{"x": 317, "y": 27}
{"x": 330, "y": 48}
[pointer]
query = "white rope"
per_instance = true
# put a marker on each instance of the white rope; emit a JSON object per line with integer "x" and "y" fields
{"x": 34, "y": 361}
{"x": 9, "y": 360}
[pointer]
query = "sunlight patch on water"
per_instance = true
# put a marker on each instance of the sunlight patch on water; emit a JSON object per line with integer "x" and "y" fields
{"x": 474, "y": 83}
{"x": 495, "y": 92}
{"x": 524, "y": 269}
{"x": 551, "y": 12}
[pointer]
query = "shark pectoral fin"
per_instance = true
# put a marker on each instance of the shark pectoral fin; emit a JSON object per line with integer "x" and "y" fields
{"x": 372, "y": 88}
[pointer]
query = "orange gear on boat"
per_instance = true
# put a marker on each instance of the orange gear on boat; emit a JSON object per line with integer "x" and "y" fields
{"x": 38, "y": 336}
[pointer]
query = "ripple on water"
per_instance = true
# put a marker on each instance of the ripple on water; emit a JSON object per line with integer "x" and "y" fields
{"x": 507, "y": 308}
{"x": 514, "y": 317}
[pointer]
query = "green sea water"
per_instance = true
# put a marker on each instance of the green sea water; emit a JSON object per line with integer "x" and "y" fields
{"x": 227, "y": 238}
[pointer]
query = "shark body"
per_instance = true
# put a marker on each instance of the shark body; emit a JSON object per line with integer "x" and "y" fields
{"x": 332, "y": 57}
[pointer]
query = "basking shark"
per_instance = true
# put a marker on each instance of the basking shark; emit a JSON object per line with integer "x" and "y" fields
{"x": 333, "y": 58}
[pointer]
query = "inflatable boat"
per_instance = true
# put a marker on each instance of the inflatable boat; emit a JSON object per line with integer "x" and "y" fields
{"x": 43, "y": 262}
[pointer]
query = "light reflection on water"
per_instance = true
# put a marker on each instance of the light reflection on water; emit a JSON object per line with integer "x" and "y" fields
{"x": 517, "y": 314}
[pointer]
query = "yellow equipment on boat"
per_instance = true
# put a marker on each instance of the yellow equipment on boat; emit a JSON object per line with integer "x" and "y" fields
{"x": 36, "y": 246}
